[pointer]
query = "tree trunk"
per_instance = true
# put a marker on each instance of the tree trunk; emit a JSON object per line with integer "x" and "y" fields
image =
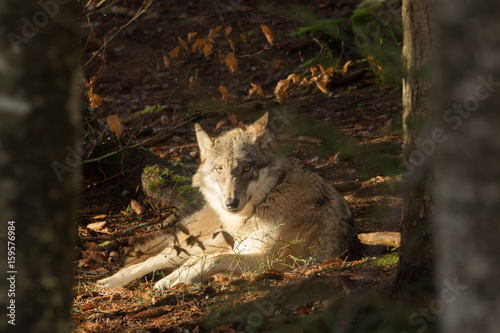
{"x": 415, "y": 265}
{"x": 39, "y": 112}
{"x": 467, "y": 166}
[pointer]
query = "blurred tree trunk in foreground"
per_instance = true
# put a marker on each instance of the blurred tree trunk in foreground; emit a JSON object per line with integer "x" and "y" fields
{"x": 416, "y": 264}
{"x": 39, "y": 168}
{"x": 467, "y": 165}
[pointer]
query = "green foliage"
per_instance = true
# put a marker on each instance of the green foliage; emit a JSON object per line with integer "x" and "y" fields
{"x": 147, "y": 111}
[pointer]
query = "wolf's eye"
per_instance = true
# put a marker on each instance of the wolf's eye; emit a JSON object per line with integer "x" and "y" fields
{"x": 219, "y": 169}
{"x": 247, "y": 168}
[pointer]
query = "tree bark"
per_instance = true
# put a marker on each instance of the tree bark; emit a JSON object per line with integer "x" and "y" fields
{"x": 467, "y": 165}
{"x": 416, "y": 253}
{"x": 39, "y": 112}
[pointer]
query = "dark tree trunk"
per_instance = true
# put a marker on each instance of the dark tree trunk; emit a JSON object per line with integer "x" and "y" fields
{"x": 416, "y": 264}
{"x": 39, "y": 114}
{"x": 467, "y": 166}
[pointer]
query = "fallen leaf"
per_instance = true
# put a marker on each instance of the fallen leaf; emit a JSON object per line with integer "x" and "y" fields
{"x": 268, "y": 33}
{"x": 96, "y": 226}
{"x": 115, "y": 125}
{"x": 346, "y": 66}
{"x": 214, "y": 31}
{"x": 280, "y": 90}
{"x": 175, "y": 52}
{"x": 321, "y": 84}
{"x": 225, "y": 94}
{"x": 166, "y": 61}
{"x": 313, "y": 70}
{"x": 220, "y": 124}
{"x": 137, "y": 207}
{"x": 256, "y": 89}
{"x": 200, "y": 43}
{"x": 227, "y": 31}
{"x": 277, "y": 63}
{"x": 232, "y": 45}
{"x": 294, "y": 78}
{"x": 231, "y": 63}
{"x": 242, "y": 126}
{"x": 191, "y": 35}
{"x": 183, "y": 43}
{"x": 192, "y": 84}
{"x": 376, "y": 62}
{"x": 207, "y": 50}
{"x": 95, "y": 100}
{"x": 244, "y": 38}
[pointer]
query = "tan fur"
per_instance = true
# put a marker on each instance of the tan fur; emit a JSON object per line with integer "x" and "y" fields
{"x": 258, "y": 207}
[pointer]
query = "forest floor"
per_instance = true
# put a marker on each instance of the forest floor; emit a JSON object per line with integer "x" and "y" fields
{"x": 338, "y": 118}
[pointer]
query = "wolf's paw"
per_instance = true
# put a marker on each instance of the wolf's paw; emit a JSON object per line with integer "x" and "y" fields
{"x": 109, "y": 282}
{"x": 163, "y": 284}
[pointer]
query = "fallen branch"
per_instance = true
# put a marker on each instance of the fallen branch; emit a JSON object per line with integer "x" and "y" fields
{"x": 381, "y": 238}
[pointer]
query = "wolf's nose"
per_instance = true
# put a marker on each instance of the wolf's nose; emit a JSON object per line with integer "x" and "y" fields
{"x": 232, "y": 203}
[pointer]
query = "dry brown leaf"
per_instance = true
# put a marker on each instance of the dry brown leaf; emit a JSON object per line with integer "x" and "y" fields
{"x": 220, "y": 124}
{"x": 192, "y": 84}
{"x": 234, "y": 119}
{"x": 346, "y": 66}
{"x": 221, "y": 56}
{"x": 321, "y": 83}
{"x": 137, "y": 207}
{"x": 313, "y": 70}
{"x": 268, "y": 33}
{"x": 225, "y": 94}
{"x": 242, "y": 126}
{"x": 200, "y": 43}
{"x": 207, "y": 50}
{"x": 214, "y": 31}
{"x": 280, "y": 90}
{"x": 376, "y": 62}
{"x": 232, "y": 45}
{"x": 191, "y": 35}
{"x": 294, "y": 78}
{"x": 329, "y": 71}
{"x": 95, "y": 100}
{"x": 183, "y": 43}
{"x": 182, "y": 228}
{"x": 231, "y": 63}
{"x": 115, "y": 125}
{"x": 277, "y": 63}
{"x": 244, "y": 38}
{"x": 304, "y": 82}
{"x": 227, "y": 31}
{"x": 166, "y": 61}
{"x": 96, "y": 226}
{"x": 256, "y": 89}
{"x": 175, "y": 52}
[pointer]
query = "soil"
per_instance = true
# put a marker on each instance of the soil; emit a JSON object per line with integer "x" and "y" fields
{"x": 350, "y": 135}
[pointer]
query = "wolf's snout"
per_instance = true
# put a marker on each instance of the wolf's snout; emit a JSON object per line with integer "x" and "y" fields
{"x": 232, "y": 203}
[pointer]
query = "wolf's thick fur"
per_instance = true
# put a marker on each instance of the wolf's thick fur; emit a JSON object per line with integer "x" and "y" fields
{"x": 258, "y": 207}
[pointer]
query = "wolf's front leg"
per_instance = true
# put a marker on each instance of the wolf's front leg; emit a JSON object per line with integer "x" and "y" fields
{"x": 131, "y": 273}
{"x": 197, "y": 269}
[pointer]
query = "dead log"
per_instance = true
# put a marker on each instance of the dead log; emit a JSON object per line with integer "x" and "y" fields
{"x": 381, "y": 238}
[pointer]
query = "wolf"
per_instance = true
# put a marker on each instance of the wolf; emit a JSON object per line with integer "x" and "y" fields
{"x": 260, "y": 210}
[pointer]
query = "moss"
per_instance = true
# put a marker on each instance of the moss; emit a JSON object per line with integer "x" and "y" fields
{"x": 180, "y": 179}
{"x": 384, "y": 260}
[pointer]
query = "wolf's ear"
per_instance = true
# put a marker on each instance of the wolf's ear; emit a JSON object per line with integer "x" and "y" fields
{"x": 261, "y": 124}
{"x": 205, "y": 142}
{"x": 262, "y": 136}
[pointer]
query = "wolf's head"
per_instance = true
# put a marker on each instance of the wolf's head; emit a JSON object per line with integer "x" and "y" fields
{"x": 234, "y": 166}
